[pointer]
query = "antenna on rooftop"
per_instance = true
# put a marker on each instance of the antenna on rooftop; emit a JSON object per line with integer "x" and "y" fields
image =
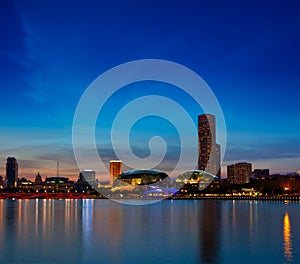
{"x": 57, "y": 169}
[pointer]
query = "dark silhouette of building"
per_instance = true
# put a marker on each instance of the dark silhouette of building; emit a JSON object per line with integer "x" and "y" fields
{"x": 11, "y": 172}
{"x": 38, "y": 179}
{"x": 86, "y": 181}
{"x": 261, "y": 173}
{"x": 209, "y": 159}
{"x": 58, "y": 183}
{"x": 56, "y": 180}
{"x": 88, "y": 176}
{"x": 1, "y": 182}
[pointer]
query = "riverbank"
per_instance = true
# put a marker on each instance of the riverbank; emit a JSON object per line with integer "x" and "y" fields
{"x": 93, "y": 196}
{"x": 233, "y": 197}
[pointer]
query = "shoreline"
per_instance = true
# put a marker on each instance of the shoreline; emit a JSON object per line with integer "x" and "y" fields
{"x": 62, "y": 196}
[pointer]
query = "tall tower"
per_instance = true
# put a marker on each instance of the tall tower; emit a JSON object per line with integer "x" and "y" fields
{"x": 115, "y": 169}
{"x": 57, "y": 169}
{"x": 208, "y": 149}
{"x": 11, "y": 172}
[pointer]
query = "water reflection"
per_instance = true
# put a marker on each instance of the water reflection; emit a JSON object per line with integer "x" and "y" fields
{"x": 251, "y": 232}
{"x": 287, "y": 238}
{"x": 209, "y": 232}
{"x": 233, "y": 226}
{"x": 87, "y": 226}
{"x": 76, "y": 231}
{"x": 10, "y": 229}
{"x": 38, "y": 231}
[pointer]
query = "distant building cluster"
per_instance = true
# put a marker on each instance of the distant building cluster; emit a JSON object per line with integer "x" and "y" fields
{"x": 86, "y": 181}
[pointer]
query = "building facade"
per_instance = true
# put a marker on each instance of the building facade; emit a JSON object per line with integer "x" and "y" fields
{"x": 11, "y": 172}
{"x": 89, "y": 176}
{"x": 115, "y": 169}
{"x": 209, "y": 152}
{"x": 239, "y": 173}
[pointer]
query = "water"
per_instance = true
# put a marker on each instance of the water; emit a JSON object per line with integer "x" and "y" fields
{"x": 102, "y": 231}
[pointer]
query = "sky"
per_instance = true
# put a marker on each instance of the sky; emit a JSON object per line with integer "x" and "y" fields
{"x": 246, "y": 51}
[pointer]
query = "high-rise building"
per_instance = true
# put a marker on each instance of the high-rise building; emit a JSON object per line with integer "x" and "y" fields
{"x": 209, "y": 152}
{"x": 230, "y": 174}
{"x": 218, "y": 160}
{"x": 239, "y": 173}
{"x": 11, "y": 172}
{"x": 115, "y": 169}
{"x": 88, "y": 176}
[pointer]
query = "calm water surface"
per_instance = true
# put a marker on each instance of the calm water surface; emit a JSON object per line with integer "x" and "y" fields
{"x": 102, "y": 231}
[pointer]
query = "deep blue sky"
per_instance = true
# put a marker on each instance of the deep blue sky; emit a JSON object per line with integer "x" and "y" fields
{"x": 247, "y": 52}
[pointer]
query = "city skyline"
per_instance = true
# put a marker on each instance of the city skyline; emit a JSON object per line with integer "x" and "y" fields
{"x": 206, "y": 141}
{"x": 247, "y": 53}
{"x": 115, "y": 167}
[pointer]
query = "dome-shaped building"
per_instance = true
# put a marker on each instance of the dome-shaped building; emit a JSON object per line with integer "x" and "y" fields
{"x": 199, "y": 177}
{"x": 140, "y": 179}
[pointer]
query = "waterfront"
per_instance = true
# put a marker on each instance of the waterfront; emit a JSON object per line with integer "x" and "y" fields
{"x": 180, "y": 231}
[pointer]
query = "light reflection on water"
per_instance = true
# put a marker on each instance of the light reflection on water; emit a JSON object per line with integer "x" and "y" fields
{"x": 287, "y": 238}
{"x": 77, "y": 231}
